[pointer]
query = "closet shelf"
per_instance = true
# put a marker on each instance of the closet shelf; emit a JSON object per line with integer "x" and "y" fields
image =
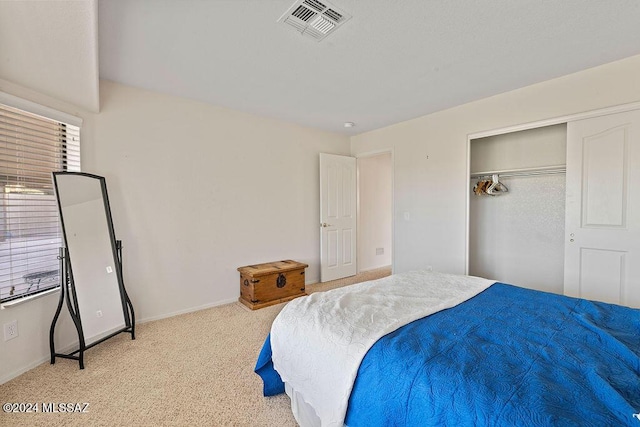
{"x": 543, "y": 170}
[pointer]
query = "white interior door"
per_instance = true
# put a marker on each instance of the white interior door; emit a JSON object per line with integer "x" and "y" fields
{"x": 337, "y": 217}
{"x": 602, "y": 250}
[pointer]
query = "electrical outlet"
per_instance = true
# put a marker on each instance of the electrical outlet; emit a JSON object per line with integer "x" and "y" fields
{"x": 379, "y": 251}
{"x": 109, "y": 269}
{"x": 99, "y": 313}
{"x": 10, "y": 330}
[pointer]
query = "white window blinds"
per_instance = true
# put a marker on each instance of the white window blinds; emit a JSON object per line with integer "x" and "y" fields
{"x": 31, "y": 147}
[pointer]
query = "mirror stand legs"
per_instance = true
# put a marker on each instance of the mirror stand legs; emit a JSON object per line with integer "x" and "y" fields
{"x": 67, "y": 295}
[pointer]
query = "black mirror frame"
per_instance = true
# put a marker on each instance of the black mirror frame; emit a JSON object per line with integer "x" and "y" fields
{"x": 67, "y": 283}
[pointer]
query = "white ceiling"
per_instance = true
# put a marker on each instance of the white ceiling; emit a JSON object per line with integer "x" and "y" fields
{"x": 393, "y": 61}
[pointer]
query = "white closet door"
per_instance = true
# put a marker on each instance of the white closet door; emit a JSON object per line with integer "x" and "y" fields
{"x": 602, "y": 249}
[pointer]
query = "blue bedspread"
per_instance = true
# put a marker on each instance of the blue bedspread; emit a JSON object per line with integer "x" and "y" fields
{"x": 509, "y": 356}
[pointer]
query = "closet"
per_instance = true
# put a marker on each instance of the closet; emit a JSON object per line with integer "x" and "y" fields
{"x": 517, "y": 236}
{"x": 557, "y": 208}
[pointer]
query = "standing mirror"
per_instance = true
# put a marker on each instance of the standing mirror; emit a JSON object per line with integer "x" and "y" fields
{"x": 91, "y": 264}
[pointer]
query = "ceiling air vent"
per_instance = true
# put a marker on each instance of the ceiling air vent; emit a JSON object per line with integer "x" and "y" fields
{"x": 313, "y": 18}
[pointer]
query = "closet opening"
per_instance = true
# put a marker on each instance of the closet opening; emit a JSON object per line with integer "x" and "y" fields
{"x": 517, "y": 207}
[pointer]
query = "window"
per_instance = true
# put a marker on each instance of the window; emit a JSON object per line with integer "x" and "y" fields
{"x": 31, "y": 147}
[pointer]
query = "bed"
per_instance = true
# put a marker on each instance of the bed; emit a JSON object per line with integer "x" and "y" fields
{"x": 423, "y": 348}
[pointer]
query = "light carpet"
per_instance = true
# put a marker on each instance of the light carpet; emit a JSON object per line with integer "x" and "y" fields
{"x": 194, "y": 369}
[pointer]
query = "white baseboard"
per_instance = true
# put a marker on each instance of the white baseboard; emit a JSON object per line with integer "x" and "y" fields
{"x": 185, "y": 311}
{"x": 311, "y": 280}
{"x": 374, "y": 268}
{"x": 69, "y": 348}
{"x": 30, "y": 366}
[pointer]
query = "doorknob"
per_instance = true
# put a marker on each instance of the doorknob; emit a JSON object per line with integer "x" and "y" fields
{"x": 324, "y": 224}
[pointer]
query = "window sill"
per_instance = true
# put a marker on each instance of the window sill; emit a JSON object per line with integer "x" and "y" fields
{"x": 19, "y": 301}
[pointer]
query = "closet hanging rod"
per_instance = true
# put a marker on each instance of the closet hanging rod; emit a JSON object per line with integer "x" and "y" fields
{"x": 543, "y": 170}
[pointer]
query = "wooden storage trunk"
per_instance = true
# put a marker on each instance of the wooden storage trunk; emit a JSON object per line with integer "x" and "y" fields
{"x": 271, "y": 283}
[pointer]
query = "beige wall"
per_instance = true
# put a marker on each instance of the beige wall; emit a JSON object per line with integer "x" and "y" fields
{"x": 430, "y": 156}
{"x": 375, "y": 207}
{"x": 196, "y": 191}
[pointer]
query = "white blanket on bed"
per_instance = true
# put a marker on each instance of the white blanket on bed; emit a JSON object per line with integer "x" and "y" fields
{"x": 318, "y": 341}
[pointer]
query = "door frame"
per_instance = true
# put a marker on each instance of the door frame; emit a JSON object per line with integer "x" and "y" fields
{"x": 393, "y": 203}
{"x": 526, "y": 126}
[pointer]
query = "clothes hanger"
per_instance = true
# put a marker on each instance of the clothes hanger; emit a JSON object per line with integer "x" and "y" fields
{"x": 496, "y": 186}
